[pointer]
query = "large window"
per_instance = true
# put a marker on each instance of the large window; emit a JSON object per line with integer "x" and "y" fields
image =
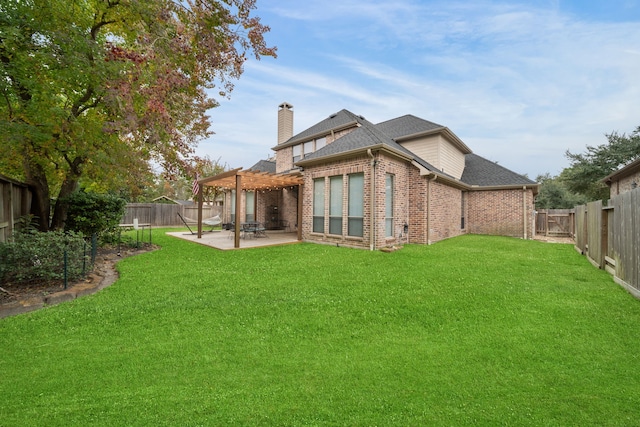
{"x": 335, "y": 205}
{"x": 233, "y": 205}
{"x": 388, "y": 206}
{"x": 318, "y": 205}
{"x": 356, "y": 205}
{"x": 250, "y": 198}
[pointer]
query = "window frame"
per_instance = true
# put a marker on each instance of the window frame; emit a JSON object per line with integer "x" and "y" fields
{"x": 389, "y": 195}
{"x": 355, "y": 208}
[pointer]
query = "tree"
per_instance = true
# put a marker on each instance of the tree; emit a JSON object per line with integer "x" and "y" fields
{"x": 554, "y": 194}
{"x": 587, "y": 170}
{"x": 98, "y": 89}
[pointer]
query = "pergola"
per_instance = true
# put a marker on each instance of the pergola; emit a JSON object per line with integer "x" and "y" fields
{"x": 238, "y": 179}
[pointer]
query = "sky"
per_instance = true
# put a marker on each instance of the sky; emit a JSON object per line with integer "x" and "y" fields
{"x": 519, "y": 82}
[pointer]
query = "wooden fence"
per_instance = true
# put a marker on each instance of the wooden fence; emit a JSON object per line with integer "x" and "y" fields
{"x": 15, "y": 202}
{"x": 555, "y": 222}
{"x": 163, "y": 214}
{"x": 609, "y": 236}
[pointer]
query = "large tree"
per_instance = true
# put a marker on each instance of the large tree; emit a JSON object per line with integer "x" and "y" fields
{"x": 101, "y": 88}
{"x": 584, "y": 175}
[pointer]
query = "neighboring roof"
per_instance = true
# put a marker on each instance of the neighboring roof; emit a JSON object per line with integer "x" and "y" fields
{"x": 335, "y": 122}
{"x": 485, "y": 173}
{"x": 623, "y": 172}
{"x": 264, "y": 166}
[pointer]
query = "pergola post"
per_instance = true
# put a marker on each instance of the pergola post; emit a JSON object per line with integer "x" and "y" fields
{"x": 300, "y": 204}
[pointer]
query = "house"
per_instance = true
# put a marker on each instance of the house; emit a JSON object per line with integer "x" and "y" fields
{"x": 354, "y": 183}
{"x": 624, "y": 179}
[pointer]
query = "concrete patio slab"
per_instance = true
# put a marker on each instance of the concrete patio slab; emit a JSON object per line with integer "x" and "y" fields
{"x": 223, "y": 240}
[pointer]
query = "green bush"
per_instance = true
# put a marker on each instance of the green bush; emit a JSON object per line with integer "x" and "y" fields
{"x": 34, "y": 256}
{"x": 90, "y": 213}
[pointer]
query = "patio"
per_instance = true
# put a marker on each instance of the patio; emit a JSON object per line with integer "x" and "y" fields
{"x": 224, "y": 240}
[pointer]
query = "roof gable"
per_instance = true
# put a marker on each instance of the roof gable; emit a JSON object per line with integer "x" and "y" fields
{"x": 407, "y": 125}
{"x": 337, "y": 121}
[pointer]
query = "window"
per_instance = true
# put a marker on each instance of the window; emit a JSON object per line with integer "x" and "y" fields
{"x": 335, "y": 205}
{"x": 297, "y": 152}
{"x": 233, "y": 205}
{"x": 320, "y": 142}
{"x": 462, "y": 197}
{"x": 388, "y": 206}
{"x": 307, "y": 148}
{"x": 356, "y": 205}
{"x": 318, "y": 205}
{"x": 250, "y": 198}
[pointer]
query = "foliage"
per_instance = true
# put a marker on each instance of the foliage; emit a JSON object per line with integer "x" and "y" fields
{"x": 96, "y": 90}
{"x": 585, "y": 174}
{"x": 181, "y": 187}
{"x": 489, "y": 331}
{"x": 90, "y": 213}
{"x": 554, "y": 194}
{"x": 35, "y": 256}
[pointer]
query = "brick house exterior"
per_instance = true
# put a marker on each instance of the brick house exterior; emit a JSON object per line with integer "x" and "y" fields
{"x": 624, "y": 179}
{"x": 406, "y": 180}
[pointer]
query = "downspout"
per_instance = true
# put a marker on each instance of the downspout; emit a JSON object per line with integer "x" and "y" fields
{"x": 372, "y": 204}
{"x": 524, "y": 211}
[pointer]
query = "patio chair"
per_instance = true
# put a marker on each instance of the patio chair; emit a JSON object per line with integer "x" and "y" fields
{"x": 212, "y": 222}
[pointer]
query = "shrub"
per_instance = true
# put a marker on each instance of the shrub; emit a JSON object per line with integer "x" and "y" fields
{"x": 91, "y": 213}
{"x": 33, "y": 256}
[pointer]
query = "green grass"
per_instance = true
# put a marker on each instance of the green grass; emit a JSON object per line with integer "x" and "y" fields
{"x": 470, "y": 331}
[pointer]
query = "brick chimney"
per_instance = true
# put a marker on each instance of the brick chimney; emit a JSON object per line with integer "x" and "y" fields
{"x": 285, "y": 122}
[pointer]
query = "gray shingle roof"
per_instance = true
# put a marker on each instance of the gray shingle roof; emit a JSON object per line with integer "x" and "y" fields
{"x": 485, "y": 173}
{"x": 367, "y": 135}
{"x": 264, "y": 166}
{"x": 478, "y": 170}
{"x": 407, "y": 125}
{"x": 334, "y": 121}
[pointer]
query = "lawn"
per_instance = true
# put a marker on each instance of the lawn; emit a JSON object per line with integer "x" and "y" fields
{"x": 473, "y": 330}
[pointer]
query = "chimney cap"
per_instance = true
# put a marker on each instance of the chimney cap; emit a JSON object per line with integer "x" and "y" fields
{"x": 285, "y": 105}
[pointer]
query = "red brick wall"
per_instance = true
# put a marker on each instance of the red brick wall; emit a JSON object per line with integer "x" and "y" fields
{"x": 500, "y": 212}
{"x": 446, "y": 212}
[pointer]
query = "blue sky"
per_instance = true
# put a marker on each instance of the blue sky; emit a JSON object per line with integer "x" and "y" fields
{"x": 519, "y": 82}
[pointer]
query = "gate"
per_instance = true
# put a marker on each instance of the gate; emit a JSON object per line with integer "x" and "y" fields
{"x": 555, "y": 222}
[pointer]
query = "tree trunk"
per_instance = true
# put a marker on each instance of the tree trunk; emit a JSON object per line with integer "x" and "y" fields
{"x": 61, "y": 207}
{"x": 41, "y": 203}
{"x": 69, "y": 185}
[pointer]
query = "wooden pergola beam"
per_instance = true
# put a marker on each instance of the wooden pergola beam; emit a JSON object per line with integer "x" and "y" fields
{"x": 249, "y": 180}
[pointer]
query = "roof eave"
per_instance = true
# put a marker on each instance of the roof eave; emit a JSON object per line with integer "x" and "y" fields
{"x": 622, "y": 172}
{"x": 350, "y": 153}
